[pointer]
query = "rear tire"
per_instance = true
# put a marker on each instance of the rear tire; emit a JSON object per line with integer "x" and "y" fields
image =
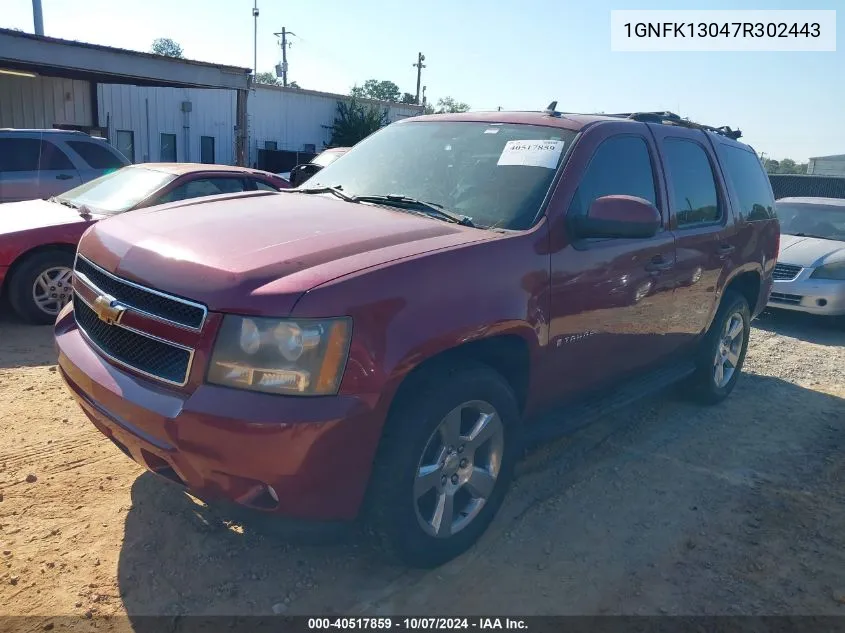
{"x": 41, "y": 285}
{"x": 724, "y": 346}
{"x": 444, "y": 464}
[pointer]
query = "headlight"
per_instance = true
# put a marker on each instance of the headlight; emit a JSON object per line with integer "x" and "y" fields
{"x": 830, "y": 271}
{"x": 284, "y": 356}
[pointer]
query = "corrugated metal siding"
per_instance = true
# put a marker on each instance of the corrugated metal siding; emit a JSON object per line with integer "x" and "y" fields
{"x": 293, "y": 119}
{"x": 212, "y": 114}
{"x": 826, "y": 167}
{"x": 790, "y": 185}
{"x": 41, "y": 102}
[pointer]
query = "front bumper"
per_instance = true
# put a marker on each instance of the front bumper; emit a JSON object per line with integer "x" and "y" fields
{"x": 315, "y": 452}
{"x": 816, "y": 296}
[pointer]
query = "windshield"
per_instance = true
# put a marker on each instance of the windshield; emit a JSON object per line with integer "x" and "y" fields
{"x": 496, "y": 174}
{"x": 814, "y": 220}
{"x": 118, "y": 191}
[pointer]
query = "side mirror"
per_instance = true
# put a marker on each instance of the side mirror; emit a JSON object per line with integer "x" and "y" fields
{"x": 619, "y": 217}
{"x": 302, "y": 172}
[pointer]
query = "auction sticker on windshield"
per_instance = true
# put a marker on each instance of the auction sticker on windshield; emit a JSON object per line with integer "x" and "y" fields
{"x": 532, "y": 153}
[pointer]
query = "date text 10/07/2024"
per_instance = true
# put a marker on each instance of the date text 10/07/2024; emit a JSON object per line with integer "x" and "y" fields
{"x": 417, "y": 624}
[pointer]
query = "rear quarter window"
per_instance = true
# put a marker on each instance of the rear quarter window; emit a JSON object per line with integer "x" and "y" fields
{"x": 97, "y": 156}
{"x": 750, "y": 182}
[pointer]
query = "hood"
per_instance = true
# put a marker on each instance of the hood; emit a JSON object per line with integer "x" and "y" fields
{"x": 257, "y": 254}
{"x": 35, "y": 214}
{"x": 809, "y": 252}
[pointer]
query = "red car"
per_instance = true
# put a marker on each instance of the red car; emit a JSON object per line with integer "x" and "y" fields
{"x": 38, "y": 238}
{"x": 387, "y": 338}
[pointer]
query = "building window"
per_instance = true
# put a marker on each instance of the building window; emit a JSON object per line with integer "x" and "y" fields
{"x": 126, "y": 144}
{"x": 207, "y": 149}
{"x": 309, "y": 148}
{"x": 168, "y": 148}
{"x": 271, "y": 145}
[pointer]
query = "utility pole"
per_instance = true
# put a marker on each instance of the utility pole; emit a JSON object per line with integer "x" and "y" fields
{"x": 284, "y": 65}
{"x": 255, "y": 41}
{"x": 419, "y": 66}
{"x": 37, "y": 17}
{"x": 423, "y": 96}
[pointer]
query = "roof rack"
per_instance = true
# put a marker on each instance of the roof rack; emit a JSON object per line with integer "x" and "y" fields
{"x": 670, "y": 118}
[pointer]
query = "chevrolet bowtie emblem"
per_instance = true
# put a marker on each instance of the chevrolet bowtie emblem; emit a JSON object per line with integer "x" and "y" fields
{"x": 108, "y": 309}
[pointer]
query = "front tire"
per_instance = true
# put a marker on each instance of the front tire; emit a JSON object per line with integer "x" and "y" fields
{"x": 722, "y": 352}
{"x": 444, "y": 464}
{"x": 41, "y": 286}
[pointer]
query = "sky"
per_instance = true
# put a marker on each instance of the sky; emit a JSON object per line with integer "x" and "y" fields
{"x": 497, "y": 53}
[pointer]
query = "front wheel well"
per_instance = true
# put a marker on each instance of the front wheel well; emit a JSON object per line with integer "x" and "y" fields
{"x": 507, "y": 354}
{"x": 41, "y": 248}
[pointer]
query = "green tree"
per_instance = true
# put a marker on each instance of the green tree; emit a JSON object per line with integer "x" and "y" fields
{"x": 267, "y": 78}
{"x": 785, "y": 166}
{"x": 446, "y": 105}
{"x": 167, "y": 47}
{"x": 407, "y": 97}
{"x": 375, "y": 89}
{"x": 355, "y": 121}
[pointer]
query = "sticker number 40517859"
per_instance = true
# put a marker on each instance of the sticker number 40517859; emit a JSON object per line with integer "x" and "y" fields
{"x": 531, "y": 153}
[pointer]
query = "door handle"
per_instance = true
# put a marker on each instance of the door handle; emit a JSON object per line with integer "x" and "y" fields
{"x": 64, "y": 177}
{"x": 658, "y": 263}
{"x": 724, "y": 250}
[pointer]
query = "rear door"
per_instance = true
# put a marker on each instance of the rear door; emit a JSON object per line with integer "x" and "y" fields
{"x": 33, "y": 168}
{"x": 94, "y": 158}
{"x": 701, "y": 220}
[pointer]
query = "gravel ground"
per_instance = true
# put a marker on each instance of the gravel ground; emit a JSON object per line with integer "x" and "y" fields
{"x": 667, "y": 508}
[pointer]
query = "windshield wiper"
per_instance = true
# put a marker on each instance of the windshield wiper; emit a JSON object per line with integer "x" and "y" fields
{"x": 429, "y": 208}
{"x": 334, "y": 190}
{"x": 82, "y": 209}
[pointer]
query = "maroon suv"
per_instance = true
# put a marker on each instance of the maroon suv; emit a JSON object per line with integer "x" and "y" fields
{"x": 383, "y": 339}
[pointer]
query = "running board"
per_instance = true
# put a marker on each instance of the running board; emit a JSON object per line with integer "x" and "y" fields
{"x": 568, "y": 419}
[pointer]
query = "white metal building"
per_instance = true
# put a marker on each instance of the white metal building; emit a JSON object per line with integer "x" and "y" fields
{"x": 827, "y": 165}
{"x": 155, "y": 108}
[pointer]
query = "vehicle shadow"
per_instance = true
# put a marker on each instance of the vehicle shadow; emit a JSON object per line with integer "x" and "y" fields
{"x": 806, "y": 327}
{"x": 24, "y": 345}
{"x": 180, "y": 557}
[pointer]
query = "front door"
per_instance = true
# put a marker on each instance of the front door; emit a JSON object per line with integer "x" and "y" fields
{"x": 609, "y": 297}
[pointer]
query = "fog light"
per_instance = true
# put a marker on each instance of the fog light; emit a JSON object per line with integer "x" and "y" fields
{"x": 821, "y": 302}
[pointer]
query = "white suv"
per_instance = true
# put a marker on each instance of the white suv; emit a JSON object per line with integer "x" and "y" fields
{"x": 45, "y": 163}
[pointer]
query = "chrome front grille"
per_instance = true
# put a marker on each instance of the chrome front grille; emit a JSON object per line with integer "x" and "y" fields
{"x": 143, "y": 352}
{"x": 785, "y": 272}
{"x": 182, "y": 312}
{"x": 150, "y": 356}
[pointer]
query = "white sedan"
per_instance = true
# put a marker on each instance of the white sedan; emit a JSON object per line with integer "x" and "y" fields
{"x": 810, "y": 273}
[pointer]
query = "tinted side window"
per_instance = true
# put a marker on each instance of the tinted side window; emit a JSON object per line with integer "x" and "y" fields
{"x": 691, "y": 182}
{"x": 260, "y": 185}
{"x": 204, "y": 187}
{"x": 750, "y": 182}
{"x": 19, "y": 154}
{"x": 97, "y": 156}
{"x": 52, "y": 158}
{"x": 620, "y": 166}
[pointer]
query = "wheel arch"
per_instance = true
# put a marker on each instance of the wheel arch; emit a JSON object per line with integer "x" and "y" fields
{"x": 23, "y": 257}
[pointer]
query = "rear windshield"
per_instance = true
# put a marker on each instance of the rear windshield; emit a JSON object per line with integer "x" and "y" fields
{"x": 498, "y": 175}
{"x": 812, "y": 220}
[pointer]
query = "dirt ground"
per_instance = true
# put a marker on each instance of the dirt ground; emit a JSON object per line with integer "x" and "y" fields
{"x": 668, "y": 508}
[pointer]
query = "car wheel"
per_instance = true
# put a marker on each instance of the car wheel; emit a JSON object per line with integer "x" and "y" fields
{"x": 444, "y": 465}
{"x": 41, "y": 286}
{"x": 722, "y": 353}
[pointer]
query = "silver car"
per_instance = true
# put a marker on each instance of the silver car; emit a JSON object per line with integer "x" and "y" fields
{"x": 810, "y": 273}
{"x": 45, "y": 163}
